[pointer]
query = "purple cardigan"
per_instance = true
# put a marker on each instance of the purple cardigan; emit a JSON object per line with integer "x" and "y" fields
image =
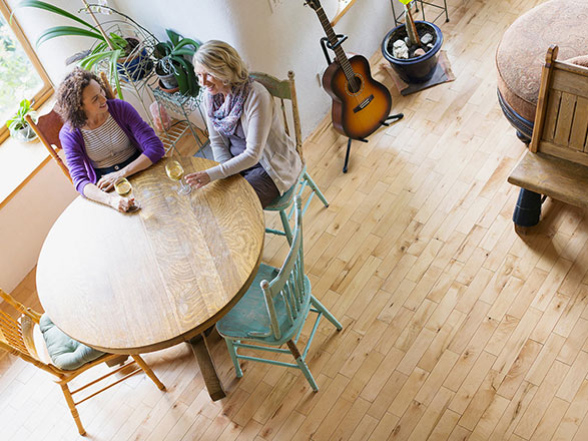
{"x": 139, "y": 132}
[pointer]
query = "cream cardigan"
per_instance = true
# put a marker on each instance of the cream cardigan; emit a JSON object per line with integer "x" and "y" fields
{"x": 266, "y": 142}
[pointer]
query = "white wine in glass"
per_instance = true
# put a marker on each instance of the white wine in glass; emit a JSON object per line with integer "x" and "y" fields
{"x": 123, "y": 187}
{"x": 175, "y": 172}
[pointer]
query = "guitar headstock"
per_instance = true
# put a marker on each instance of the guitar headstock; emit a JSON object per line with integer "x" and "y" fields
{"x": 314, "y": 4}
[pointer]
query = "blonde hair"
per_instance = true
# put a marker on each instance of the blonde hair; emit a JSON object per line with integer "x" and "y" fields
{"x": 222, "y": 61}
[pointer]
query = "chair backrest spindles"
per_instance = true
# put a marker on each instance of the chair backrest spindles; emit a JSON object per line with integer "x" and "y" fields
{"x": 19, "y": 306}
{"x": 11, "y": 334}
{"x": 561, "y": 121}
{"x": 288, "y": 286}
{"x": 16, "y": 334}
{"x": 284, "y": 90}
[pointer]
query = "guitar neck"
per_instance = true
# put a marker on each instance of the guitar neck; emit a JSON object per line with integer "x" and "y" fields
{"x": 332, "y": 37}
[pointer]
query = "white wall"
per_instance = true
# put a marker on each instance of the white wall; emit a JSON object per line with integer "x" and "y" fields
{"x": 287, "y": 39}
{"x": 27, "y": 218}
{"x": 273, "y": 42}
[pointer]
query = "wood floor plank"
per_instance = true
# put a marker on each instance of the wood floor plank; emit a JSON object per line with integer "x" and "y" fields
{"x": 575, "y": 414}
{"x": 541, "y": 401}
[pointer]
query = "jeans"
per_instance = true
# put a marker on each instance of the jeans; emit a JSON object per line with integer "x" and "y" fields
{"x": 104, "y": 171}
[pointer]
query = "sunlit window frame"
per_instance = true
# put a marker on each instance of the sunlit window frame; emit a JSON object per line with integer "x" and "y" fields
{"x": 47, "y": 88}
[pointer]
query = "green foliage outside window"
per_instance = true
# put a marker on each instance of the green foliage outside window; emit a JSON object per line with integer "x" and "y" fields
{"x": 18, "y": 77}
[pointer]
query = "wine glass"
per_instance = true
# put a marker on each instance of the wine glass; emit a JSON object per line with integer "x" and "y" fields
{"x": 124, "y": 189}
{"x": 175, "y": 172}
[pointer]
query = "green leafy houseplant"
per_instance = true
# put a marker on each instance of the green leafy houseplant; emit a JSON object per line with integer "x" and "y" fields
{"x": 107, "y": 47}
{"x": 18, "y": 126}
{"x": 171, "y": 60}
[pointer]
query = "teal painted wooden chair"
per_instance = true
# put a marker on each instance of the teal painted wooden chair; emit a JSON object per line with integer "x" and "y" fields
{"x": 286, "y": 90}
{"x": 274, "y": 309}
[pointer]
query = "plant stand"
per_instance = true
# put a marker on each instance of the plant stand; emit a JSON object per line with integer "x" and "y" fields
{"x": 443, "y": 8}
{"x": 325, "y": 44}
{"x": 184, "y": 105}
{"x": 140, "y": 80}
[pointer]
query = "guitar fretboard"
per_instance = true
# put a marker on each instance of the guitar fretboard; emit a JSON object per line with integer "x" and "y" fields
{"x": 339, "y": 53}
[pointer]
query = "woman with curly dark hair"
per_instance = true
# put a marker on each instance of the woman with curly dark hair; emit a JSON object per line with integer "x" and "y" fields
{"x": 103, "y": 139}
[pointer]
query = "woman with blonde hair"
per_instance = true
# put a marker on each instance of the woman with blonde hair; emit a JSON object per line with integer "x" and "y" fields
{"x": 246, "y": 133}
{"x": 103, "y": 139}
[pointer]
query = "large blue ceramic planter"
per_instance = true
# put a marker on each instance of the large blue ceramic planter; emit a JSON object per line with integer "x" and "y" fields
{"x": 419, "y": 69}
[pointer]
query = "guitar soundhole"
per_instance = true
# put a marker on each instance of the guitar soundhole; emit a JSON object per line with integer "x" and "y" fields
{"x": 354, "y": 85}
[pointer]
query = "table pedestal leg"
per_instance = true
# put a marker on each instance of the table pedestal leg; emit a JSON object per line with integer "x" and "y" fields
{"x": 200, "y": 349}
{"x": 119, "y": 360}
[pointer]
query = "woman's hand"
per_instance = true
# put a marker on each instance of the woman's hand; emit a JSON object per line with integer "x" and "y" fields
{"x": 198, "y": 179}
{"x": 121, "y": 204}
{"x": 106, "y": 182}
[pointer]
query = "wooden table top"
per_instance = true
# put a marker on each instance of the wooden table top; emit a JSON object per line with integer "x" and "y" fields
{"x": 132, "y": 283}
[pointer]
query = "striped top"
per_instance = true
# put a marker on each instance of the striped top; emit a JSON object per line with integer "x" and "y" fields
{"x": 107, "y": 145}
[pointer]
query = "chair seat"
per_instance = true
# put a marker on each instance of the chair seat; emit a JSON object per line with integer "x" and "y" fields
{"x": 562, "y": 180}
{"x": 250, "y": 316}
{"x": 65, "y": 352}
{"x": 282, "y": 202}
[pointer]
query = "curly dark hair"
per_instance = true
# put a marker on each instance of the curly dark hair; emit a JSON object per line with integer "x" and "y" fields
{"x": 69, "y": 96}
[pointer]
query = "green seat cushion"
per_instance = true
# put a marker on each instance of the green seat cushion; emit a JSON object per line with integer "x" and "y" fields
{"x": 65, "y": 352}
{"x": 249, "y": 318}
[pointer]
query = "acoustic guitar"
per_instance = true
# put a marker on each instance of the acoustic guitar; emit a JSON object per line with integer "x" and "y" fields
{"x": 360, "y": 103}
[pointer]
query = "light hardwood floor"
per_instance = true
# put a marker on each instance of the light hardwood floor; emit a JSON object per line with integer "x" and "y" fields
{"x": 455, "y": 327}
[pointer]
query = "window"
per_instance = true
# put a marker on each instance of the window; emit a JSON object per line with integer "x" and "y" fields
{"x": 21, "y": 73}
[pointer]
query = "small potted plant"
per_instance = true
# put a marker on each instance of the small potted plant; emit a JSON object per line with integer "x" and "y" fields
{"x": 18, "y": 126}
{"x": 412, "y": 49}
{"x": 172, "y": 67}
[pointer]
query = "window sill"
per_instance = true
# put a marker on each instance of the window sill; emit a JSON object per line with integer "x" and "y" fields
{"x": 20, "y": 161}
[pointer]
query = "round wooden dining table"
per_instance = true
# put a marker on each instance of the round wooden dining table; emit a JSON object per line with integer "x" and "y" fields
{"x": 144, "y": 281}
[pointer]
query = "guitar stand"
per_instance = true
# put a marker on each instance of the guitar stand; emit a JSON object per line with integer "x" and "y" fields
{"x": 395, "y": 117}
{"x": 326, "y": 44}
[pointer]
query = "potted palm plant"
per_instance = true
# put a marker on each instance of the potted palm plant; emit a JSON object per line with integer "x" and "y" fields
{"x": 122, "y": 55}
{"x": 172, "y": 67}
{"x": 412, "y": 49}
{"x": 18, "y": 126}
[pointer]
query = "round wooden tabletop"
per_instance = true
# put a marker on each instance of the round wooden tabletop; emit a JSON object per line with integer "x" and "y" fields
{"x": 132, "y": 283}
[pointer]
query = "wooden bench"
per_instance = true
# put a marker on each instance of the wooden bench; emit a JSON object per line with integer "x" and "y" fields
{"x": 556, "y": 164}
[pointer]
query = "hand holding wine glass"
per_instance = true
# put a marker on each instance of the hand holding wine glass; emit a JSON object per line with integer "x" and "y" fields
{"x": 198, "y": 179}
{"x": 124, "y": 189}
{"x": 175, "y": 172}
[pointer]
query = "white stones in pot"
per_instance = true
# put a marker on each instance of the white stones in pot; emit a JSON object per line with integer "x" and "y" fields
{"x": 400, "y": 49}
